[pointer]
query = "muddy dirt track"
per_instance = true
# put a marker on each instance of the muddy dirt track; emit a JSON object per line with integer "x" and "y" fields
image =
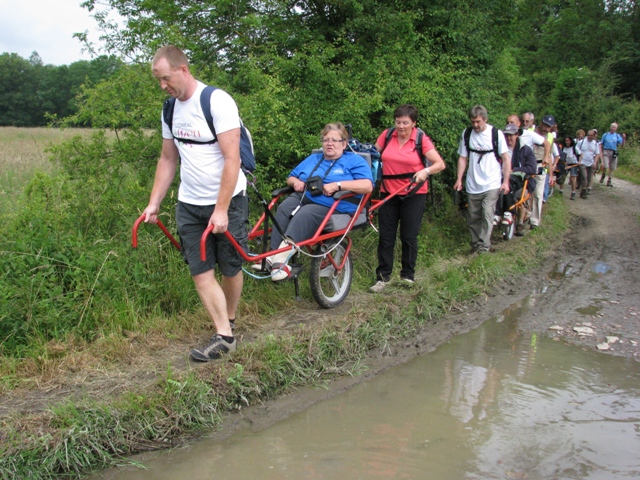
{"x": 591, "y": 284}
{"x": 592, "y": 281}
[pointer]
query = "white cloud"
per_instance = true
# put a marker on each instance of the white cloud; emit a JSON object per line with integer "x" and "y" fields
{"x": 47, "y": 27}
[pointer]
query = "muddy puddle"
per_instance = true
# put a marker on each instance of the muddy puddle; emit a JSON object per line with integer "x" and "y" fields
{"x": 492, "y": 403}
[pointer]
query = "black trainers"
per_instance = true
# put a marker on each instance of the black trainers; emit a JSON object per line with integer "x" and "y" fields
{"x": 217, "y": 348}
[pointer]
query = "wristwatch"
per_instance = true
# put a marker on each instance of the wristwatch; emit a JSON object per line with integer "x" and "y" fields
{"x": 339, "y": 186}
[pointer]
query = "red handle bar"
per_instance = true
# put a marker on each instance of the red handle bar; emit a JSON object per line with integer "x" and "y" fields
{"x": 134, "y": 233}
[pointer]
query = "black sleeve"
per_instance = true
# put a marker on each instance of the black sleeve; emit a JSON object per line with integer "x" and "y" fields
{"x": 528, "y": 163}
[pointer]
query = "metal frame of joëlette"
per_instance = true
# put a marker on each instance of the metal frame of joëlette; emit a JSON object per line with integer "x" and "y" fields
{"x": 318, "y": 237}
{"x": 524, "y": 196}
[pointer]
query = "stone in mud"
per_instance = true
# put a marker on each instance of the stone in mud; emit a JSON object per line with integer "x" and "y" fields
{"x": 583, "y": 330}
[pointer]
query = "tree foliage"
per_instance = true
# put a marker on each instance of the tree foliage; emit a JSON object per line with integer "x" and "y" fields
{"x": 31, "y": 93}
{"x": 590, "y": 43}
{"x": 292, "y": 66}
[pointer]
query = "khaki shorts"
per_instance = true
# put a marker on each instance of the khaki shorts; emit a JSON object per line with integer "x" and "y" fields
{"x": 609, "y": 159}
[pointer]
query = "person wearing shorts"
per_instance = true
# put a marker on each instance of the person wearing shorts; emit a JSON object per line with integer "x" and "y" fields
{"x": 212, "y": 192}
{"x": 610, "y": 142}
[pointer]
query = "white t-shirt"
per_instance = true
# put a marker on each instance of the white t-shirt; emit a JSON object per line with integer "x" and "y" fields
{"x": 486, "y": 174}
{"x": 531, "y": 138}
{"x": 201, "y": 165}
{"x": 589, "y": 151}
{"x": 570, "y": 157}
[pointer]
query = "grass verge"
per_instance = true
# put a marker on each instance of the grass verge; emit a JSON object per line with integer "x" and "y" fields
{"x": 73, "y": 438}
{"x": 629, "y": 164}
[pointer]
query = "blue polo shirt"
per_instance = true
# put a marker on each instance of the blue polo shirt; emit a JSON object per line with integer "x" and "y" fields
{"x": 610, "y": 141}
{"x": 349, "y": 166}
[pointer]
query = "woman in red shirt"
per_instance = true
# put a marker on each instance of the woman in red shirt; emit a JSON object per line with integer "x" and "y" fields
{"x": 400, "y": 159}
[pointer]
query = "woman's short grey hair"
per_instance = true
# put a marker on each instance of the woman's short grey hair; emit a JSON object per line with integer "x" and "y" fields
{"x": 338, "y": 127}
{"x": 478, "y": 111}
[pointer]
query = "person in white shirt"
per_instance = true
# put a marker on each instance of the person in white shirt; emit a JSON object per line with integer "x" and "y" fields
{"x": 212, "y": 192}
{"x": 488, "y": 173}
{"x": 590, "y": 149}
{"x": 571, "y": 156}
{"x": 545, "y": 166}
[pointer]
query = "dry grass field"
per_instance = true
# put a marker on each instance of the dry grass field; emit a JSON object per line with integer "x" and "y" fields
{"x": 22, "y": 153}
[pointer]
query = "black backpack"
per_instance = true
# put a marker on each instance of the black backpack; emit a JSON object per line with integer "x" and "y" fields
{"x": 494, "y": 142}
{"x": 247, "y": 156}
{"x": 424, "y": 159}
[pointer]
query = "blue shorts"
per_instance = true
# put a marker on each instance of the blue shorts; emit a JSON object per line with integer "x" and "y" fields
{"x": 573, "y": 171}
{"x": 193, "y": 220}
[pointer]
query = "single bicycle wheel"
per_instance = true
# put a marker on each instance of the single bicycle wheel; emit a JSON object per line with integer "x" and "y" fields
{"x": 329, "y": 286}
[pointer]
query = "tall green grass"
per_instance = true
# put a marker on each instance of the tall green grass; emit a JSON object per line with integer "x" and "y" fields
{"x": 70, "y": 272}
{"x": 629, "y": 164}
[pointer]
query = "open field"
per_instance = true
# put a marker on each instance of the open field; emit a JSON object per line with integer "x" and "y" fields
{"x": 23, "y": 152}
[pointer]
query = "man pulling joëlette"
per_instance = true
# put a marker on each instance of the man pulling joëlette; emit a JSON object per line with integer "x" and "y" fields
{"x": 212, "y": 192}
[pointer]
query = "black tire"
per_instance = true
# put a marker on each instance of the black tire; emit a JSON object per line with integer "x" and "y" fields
{"x": 508, "y": 231}
{"x": 328, "y": 286}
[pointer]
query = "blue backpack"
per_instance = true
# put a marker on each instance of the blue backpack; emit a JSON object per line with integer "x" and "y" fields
{"x": 247, "y": 156}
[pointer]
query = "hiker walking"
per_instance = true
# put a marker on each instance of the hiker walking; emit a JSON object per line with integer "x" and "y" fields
{"x": 590, "y": 149}
{"x": 483, "y": 154}
{"x": 571, "y": 156}
{"x": 545, "y": 162}
{"x": 212, "y": 191}
{"x": 610, "y": 142}
{"x": 407, "y": 152}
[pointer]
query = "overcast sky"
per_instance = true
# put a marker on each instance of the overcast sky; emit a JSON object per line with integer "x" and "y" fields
{"x": 47, "y": 27}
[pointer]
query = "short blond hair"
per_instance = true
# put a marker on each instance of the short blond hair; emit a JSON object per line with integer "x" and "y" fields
{"x": 174, "y": 56}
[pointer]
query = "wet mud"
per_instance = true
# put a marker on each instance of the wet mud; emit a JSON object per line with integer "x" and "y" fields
{"x": 587, "y": 295}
